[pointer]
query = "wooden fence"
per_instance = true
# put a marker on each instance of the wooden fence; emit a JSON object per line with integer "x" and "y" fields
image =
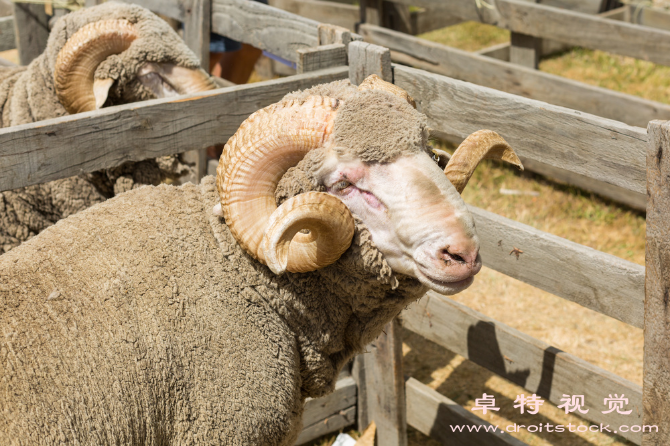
{"x": 511, "y": 67}
{"x": 569, "y": 22}
{"x": 605, "y": 150}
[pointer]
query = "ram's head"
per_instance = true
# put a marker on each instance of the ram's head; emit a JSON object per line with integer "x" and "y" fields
{"x": 117, "y": 53}
{"x": 365, "y": 153}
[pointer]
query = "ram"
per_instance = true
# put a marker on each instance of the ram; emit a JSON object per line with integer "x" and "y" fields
{"x": 106, "y": 55}
{"x": 208, "y": 314}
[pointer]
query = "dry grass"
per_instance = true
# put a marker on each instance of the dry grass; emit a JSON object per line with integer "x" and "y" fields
{"x": 468, "y": 36}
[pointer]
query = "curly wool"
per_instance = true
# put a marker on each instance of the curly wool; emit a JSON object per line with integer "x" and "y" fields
{"x": 221, "y": 352}
{"x": 27, "y": 95}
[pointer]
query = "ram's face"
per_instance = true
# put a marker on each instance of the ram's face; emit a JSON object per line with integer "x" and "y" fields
{"x": 127, "y": 61}
{"x": 416, "y": 217}
{"x": 369, "y": 153}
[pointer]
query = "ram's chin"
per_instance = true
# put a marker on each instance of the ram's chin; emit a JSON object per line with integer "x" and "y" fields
{"x": 447, "y": 288}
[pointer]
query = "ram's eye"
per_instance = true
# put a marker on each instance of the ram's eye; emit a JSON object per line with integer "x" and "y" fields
{"x": 341, "y": 185}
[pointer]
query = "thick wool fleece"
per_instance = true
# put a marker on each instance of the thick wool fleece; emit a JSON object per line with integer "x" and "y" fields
{"x": 27, "y": 95}
{"x": 141, "y": 321}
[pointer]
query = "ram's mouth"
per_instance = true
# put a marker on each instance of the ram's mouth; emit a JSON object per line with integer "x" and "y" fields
{"x": 168, "y": 80}
{"x": 151, "y": 78}
{"x": 443, "y": 286}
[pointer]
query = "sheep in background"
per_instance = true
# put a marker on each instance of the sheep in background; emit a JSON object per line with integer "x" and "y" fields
{"x": 105, "y": 55}
{"x": 150, "y": 319}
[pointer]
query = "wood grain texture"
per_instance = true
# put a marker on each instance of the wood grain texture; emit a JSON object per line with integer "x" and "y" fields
{"x": 344, "y": 396}
{"x": 591, "y": 278}
{"x": 634, "y": 200}
{"x": 366, "y": 59}
{"x": 385, "y": 386}
{"x": 334, "y": 423}
{"x": 7, "y": 36}
{"x": 599, "y": 148}
{"x": 324, "y": 56}
{"x": 264, "y": 27}
{"x": 31, "y": 28}
{"x": 517, "y": 80}
{"x": 435, "y": 415}
{"x": 197, "y": 26}
{"x": 657, "y": 301}
{"x": 174, "y": 9}
{"x": 358, "y": 374}
{"x": 59, "y": 148}
{"x": 326, "y": 12}
{"x": 528, "y": 362}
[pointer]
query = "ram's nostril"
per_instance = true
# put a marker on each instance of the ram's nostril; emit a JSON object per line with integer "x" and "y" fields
{"x": 457, "y": 258}
{"x": 448, "y": 256}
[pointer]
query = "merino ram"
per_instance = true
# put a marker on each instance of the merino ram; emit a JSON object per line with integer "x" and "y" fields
{"x": 206, "y": 314}
{"x": 106, "y": 55}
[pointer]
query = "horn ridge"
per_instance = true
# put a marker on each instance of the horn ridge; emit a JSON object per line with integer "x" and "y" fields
{"x": 483, "y": 144}
{"x": 80, "y": 56}
{"x": 266, "y": 145}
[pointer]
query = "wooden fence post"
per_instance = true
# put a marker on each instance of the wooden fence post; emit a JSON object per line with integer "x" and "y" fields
{"x": 656, "y": 382}
{"x": 366, "y": 59}
{"x": 525, "y": 50}
{"x": 385, "y": 386}
{"x": 31, "y": 27}
{"x": 382, "y": 398}
{"x": 197, "y": 27}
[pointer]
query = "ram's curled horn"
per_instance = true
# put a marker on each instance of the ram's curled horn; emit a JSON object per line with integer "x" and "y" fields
{"x": 79, "y": 58}
{"x": 374, "y": 82}
{"x": 308, "y": 231}
{"x": 484, "y": 144}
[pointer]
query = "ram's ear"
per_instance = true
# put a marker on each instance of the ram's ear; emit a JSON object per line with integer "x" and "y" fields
{"x": 101, "y": 91}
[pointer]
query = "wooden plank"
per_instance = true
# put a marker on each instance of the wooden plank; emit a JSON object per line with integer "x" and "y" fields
{"x": 326, "y": 12}
{"x": 656, "y": 400}
{"x": 640, "y": 14}
{"x": 426, "y": 20}
{"x": 331, "y": 424}
{"x": 7, "y": 36}
{"x": 500, "y": 51}
{"x": 62, "y": 147}
{"x": 591, "y": 278}
{"x": 525, "y": 50}
{"x": 324, "y": 56}
{"x": 366, "y": 59}
{"x": 385, "y": 386}
{"x": 599, "y": 148}
{"x": 31, "y": 28}
{"x": 528, "y": 362}
{"x": 571, "y": 27}
{"x": 522, "y": 81}
{"x": 435, "y": 415}
{"x": 343, "y": 397}
{"x": 362, "y": 410}
{"x": 171, "y": 8}
{"x": 264, "y": 27}
{"x": 631, "y": 199}
{"x": 197, "y": 26}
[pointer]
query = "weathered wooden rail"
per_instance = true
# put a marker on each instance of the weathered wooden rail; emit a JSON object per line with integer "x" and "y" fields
{"x": 609, "y": 151}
